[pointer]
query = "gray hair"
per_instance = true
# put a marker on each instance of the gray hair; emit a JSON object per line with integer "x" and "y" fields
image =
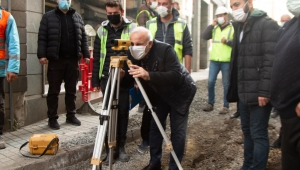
{"x": 142, "y": 29}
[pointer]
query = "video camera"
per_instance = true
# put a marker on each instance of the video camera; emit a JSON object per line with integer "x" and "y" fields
{"x": 120, "y": 46}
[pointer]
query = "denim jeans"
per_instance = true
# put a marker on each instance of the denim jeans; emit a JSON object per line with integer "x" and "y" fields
{"x": 254, "y": 120}
{"x": 214, "y": 69}
{"x": 178, "y": 124}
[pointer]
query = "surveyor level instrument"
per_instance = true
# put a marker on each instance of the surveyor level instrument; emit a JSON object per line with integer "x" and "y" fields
{"x": 109, "y": 114}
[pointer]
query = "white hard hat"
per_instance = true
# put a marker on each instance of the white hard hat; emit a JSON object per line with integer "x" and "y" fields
{"x": 221, "y": 10}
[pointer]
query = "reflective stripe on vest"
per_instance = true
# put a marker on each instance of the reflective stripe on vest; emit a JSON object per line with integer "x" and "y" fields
{"x": 102, "y": 33}
{"x": 3, "y": 23}
{"x": 179, "y": 26}
{"x": 221, "y": 52}
{"x": 148, "y": 13}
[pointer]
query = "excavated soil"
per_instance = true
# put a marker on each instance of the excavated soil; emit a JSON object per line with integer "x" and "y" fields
{"x": 214, "y": 142}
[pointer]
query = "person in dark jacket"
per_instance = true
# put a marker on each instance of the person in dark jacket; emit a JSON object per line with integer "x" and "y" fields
{"x": 169, "y": 87}
{"x": 255, "y": 36}
{"x": 116, "y": 27}
{"x": 285, "y": 87}
{"x": 62, "y": 41}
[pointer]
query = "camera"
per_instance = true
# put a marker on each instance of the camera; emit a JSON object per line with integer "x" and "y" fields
{"x": 120, "y": 45}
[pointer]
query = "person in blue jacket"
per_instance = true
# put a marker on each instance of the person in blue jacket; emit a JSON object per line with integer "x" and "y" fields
{"x": 9, "y": 36}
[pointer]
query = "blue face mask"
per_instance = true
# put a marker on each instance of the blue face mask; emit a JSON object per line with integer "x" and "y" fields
{"x": 64, "y": 4}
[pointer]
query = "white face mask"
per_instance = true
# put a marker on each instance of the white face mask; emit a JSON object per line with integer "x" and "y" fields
{"x": 138, "y": 52}
{"x": 162, "y": 11}
{"x": 153, "y": 5}
{"x": 294, "y": 7}
{"x": 239, "y": 15}
{"x": 221, "y": 20}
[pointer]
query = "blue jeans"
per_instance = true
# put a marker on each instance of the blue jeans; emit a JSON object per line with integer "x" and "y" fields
{"x": 178, "y": 124}
{"x": 254, "y": 120}
{"x": 214, "y": 69}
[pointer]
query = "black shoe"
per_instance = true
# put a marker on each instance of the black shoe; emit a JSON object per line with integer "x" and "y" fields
{"x": 53, "y": 124}
{"x": 235, "y": 115}
{"x": 276, "y": 144}
{"x": 152, "y": 167}
{"x": 73, "y": 120}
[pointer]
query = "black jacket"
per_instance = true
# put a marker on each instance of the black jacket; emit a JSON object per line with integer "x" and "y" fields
{"x": 252, "y": 58}
{"x": 168, "y": 78}
{"x": 285, "y": 87}
{"x": 49, "y": 35}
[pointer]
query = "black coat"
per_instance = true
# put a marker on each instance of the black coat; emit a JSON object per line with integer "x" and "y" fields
{"x": 252, "y": 58}
{"x": 50, "y": 34}
{"x": 168, "y": 78}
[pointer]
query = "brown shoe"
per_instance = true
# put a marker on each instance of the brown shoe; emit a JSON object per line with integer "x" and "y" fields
{"x": 208, "y": 108}
{"x": 225, "y": 110}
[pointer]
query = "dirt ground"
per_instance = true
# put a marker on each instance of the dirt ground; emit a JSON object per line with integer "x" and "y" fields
{"x": 214, "y": 142}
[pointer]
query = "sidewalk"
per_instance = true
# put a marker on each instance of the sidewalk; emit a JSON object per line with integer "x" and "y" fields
{"x": 10, "y": 158}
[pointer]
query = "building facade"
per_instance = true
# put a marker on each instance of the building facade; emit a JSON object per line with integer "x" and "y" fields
{"x": 26, "y": 97}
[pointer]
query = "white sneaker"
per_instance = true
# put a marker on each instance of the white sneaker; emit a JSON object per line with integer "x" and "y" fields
{"x": 2, "y": 143}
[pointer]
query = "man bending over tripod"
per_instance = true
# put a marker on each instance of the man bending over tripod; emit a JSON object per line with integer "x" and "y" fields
{"x": 169, "y": 87}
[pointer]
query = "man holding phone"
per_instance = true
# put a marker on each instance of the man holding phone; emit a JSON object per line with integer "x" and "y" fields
{"x": 221, "y": 33}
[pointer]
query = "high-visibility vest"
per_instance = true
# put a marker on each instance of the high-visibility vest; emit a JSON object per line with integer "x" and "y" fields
{"x": 221, "y": 52}
{"x": 102, "y": 33}
{"x": 3, "y": 25}
{"x": 179, "y": 27}
{"x": 148, "y": 13}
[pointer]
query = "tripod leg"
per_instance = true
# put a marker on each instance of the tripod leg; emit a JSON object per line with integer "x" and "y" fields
{"x": 163, "y": 133}
{"x": 104, "y": 123}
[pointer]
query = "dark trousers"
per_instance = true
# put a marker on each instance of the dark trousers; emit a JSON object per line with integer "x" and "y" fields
{"x": 290, "y": 143}
{"x": 146, "y": 123}
{"x": 254, "y": 121}
{"x": 123, "y": 112}
{"x": 2, "y": 116}
{"x": 67, "y": 70}
{"x": 178, "y": 124}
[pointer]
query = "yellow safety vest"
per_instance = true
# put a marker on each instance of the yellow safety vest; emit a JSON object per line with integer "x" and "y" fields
{"x": 148, "y": 13}
{"x": 221, "y": 52}
{"x": 179, "y": 27}
{"x": 102, "y": 34}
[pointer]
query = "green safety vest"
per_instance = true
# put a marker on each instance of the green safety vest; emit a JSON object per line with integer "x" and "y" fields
{"x": 221, "y": 52}
{"x": 102, "y": 34}
{"x": 179, "y": 26}
{"x": 148, "y": 13}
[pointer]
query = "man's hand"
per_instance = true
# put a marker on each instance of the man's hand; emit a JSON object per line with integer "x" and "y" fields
{"x": 224, "y": 40}
{"x": 43, "y": 60}
{"x": 138, "y": 71}
{"x": 87, "y": 60}
{"x": 214, "y": 23}
{"x": 11, "y": 76}
{"x": 298, "y": 109}
{"x": 262, "y": 101}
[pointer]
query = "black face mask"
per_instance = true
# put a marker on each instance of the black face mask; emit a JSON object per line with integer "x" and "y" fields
{"x": 114, "y": 19}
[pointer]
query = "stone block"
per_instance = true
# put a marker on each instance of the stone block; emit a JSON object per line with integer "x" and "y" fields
{"x": 33, "y": 65}
{"x": 19, "y": 85}
{"x": 32, "y": 43}
{"x": 35, "y": 83}
{"x": 20, "y": 18}
{"x": 23, "y": 68}
{"x": 22, "y": 35}
{"x": 23, "y": 51}
{"x": 35, "y": 6}
{"x": 33, "y": 22}
{"x": 19, "y": 5}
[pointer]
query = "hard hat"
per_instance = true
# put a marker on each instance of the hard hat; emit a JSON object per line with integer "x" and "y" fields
{"x": 221, "y": 10}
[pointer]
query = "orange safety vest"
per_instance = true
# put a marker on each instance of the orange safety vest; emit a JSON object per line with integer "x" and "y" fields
{"x": 3, "y": 25}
